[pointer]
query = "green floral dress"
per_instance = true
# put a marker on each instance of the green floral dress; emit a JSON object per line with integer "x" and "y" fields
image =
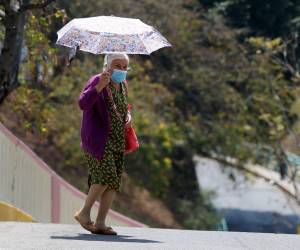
{"x": 109, "y": 169}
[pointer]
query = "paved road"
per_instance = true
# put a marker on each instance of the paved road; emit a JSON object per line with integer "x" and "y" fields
{"x": 21, "y": 235}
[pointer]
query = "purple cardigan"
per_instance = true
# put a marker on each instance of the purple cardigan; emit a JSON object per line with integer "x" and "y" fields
{"x": 95, "y": 122}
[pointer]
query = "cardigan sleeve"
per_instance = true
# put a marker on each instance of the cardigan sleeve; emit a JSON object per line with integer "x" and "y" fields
{"x": 89, "y": 94}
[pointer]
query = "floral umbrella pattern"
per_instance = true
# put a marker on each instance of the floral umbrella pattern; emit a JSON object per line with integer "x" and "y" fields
{"x": 109, "y": 34}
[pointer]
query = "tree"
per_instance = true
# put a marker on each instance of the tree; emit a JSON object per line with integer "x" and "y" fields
{"x": 270, "y": 18}
{"x": 14, "y": 19}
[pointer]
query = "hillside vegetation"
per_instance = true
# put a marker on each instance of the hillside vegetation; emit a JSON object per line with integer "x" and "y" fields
{"x": 223, "y": 88}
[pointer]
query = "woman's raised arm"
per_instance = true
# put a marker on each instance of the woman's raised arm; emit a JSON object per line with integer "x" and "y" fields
{"x": 89, "y": 94}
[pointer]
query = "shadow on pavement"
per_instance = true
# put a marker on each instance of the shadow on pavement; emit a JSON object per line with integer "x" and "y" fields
{"x": 98, "y": 237}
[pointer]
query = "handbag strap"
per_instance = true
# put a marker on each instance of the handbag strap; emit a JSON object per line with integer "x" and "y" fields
{"x": 125, "y": 83}
{"x": 114, "y": 105}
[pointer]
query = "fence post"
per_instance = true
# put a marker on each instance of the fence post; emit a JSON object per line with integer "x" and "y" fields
{"x": 55, "y": 199}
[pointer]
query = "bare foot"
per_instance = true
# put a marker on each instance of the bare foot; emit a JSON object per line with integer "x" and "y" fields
{"x": 83, "y": 216}
{"x": 101, "y": 226}
{"x": 84, "y": 220}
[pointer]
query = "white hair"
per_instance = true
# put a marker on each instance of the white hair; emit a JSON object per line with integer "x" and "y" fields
{"x": 108, "y": 58}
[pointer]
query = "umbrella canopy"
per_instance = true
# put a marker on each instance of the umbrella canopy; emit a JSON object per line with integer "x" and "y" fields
{"x": 111, "y": 34}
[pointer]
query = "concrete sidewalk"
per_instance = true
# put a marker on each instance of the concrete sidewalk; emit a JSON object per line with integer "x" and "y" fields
{"x": 21, "y": 235}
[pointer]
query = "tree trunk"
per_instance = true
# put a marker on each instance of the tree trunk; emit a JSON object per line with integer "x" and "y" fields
{"x": 14, "y": 22}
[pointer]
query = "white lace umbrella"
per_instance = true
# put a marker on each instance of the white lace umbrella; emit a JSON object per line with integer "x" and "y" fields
{"x": 111, "y": 34}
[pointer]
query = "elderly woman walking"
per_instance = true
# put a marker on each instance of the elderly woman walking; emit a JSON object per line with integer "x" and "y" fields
{"x": 104, "y": 104}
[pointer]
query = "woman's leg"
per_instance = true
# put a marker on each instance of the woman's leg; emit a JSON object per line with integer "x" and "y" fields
{"x": 105, "y": 203}
{"x": 94, "y": 191}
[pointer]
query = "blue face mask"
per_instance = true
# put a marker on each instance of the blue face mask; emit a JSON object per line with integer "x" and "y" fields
{"x": 118, "y": 76}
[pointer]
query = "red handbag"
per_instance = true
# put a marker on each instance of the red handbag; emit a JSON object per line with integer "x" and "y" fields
{"x": 131, "y": 141}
